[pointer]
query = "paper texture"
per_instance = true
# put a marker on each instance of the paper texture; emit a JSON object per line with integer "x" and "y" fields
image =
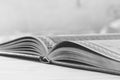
{"x": 112, "y": 45}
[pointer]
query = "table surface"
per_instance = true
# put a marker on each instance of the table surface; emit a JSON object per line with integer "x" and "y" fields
{"x": 17, "y": 69}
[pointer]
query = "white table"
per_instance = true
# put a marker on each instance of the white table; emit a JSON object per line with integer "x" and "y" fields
{"x": 17, "y": 69}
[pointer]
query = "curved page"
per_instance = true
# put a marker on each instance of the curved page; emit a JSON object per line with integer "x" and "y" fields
{"x": 75, "y": 54}
{"x": 24, "y": 46}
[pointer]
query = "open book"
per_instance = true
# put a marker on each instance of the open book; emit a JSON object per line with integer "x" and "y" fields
{"x": 94, "y": 52}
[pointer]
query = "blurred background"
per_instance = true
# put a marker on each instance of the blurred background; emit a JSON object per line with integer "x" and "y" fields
{"x": 59, "y": 16}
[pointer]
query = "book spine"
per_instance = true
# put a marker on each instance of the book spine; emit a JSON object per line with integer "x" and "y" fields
{"x": 44, "y": 59}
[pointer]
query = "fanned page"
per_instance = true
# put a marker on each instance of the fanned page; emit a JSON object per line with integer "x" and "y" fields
{"x": 24, "y": 46}
{"x": 109, "y": 48}
{"x": 97, "y": 55}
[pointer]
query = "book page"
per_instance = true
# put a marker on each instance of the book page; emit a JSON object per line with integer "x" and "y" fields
{"x": 48, "y": 42}
{"x": 6, "y": 38}
{"x": 108, "y": 48}
{"x": 81, "y": 37}
{"x": 112, "y": 45}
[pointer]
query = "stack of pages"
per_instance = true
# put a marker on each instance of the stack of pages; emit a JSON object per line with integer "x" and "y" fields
{"x": 99, "y": 53}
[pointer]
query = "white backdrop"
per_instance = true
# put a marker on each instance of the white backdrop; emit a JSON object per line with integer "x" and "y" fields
{"x": 55, "y": 16}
